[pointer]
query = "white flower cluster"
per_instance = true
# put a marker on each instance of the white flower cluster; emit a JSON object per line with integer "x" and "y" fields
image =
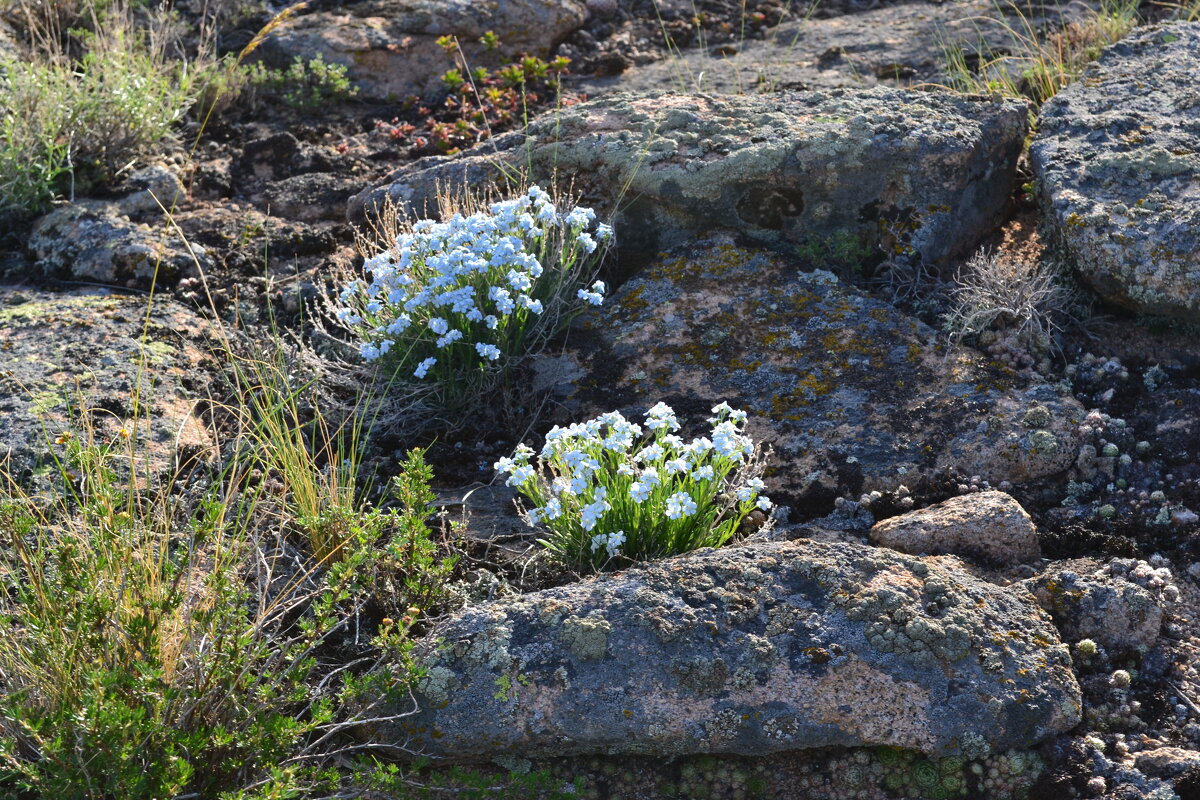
{"x": 607, "y": 474}
{"x": 470, "y": 279}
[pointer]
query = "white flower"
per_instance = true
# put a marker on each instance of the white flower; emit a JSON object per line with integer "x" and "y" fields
{"x": 591, "y": 298}
{"x": 591, "y": 513}
{"x": 553, "y": 509}
{"x": 750, "y": 489}
{"x": 450, "y": 338}
{"x": 424, "y": 367}
{"x": 491, "y": 321}
{"x": 640, "y": 489}
{"x": 765, "y": 503}
{"x": 661, "y": 416}
{"x": 580, "y": 217}
{"x": 604, "y": 232}
{"x": 650, "y": 453}
{"x": 586, "y": 243}
{"x": 676, "y": 465}
{"x": 679, "y": 505}
{"x": 520, "y": 474}
{"x": 369, "y": 352}
{"x": 439, "y": 325}
{"x": 611, "y": 542}
{"x": 704, "y": 473}
{"x": 488, "y": 351}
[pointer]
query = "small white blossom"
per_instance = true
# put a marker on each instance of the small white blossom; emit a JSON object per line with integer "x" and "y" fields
{"x": 679, "y": 505}
{"x": 424, "y": 367}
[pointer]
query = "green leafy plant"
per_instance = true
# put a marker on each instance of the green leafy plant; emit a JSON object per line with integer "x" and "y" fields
{"x": 480, "y": 100}
{"x": 159, "y": 640}
{"x": 304, "y": 86}
{"x": 604, "y": 494}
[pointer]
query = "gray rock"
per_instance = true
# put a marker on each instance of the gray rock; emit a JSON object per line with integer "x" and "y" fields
{"x": 93, "y": 241}
{"x": 898, "y": 44}
{"x": 150, "y": 190}
{"x": 64, "y": 351}
{"x": 861, "y": 172}
{"x": 990, "y": 527}
{"x": 311, "y": 197}
{"x": 1167, "y": 762}
{"x": 1117, "y": 159}
{"x": 10, "y": 42}
{"x": 852, "y": 394}
{"x": 752, "y": 650}
{"x": 1097, "y": 605}
{"x": 390, "y": 46}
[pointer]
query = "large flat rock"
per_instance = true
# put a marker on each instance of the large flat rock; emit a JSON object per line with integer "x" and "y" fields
{"x": 111, "y": 354}
{"x": 875, "y": 170}
{"x": 752, "y": 650}
{"x": 852, "y": 394}
{"x": 1118, "y": 158}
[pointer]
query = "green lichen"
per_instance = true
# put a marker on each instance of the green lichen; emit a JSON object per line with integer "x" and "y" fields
{"x": 586, "y": 637}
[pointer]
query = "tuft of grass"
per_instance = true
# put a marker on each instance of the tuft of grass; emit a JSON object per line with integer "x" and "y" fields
{"x": 1037, "y": 64}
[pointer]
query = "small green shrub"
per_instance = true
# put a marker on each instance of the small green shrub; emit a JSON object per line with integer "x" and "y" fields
{"x": 67, "y": 123}
{"x": 602, "y": 493}
{"x": 304, "y": 86}
{"x": 152, "y": 646}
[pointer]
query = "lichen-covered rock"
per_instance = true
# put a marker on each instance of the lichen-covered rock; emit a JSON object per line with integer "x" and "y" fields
{"x": 63, "y": 352}
{"x": 1100, "y": 605}
{"x": 852, "y": 394}
{"x": 990, "y": 527}
{"x": 95, "y": 242}
{"x": 1167, "y": 762}
{"x": 861, "y": 171}
{"x": 150, "y": 190}
{"x": 1119, "y": 166}
{"x": 753, "y": 649}
{"x": 390, "y": 47}
{"x": 889, "y": 44}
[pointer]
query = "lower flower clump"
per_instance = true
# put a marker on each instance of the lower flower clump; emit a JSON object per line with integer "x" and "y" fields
{"x": 605, "y": 490}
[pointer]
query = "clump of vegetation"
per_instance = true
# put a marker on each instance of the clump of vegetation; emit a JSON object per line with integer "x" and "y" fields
{"x": 170, "y": 636}
{"x": 1037, "y": 64}
{"x": 1020, "y": 300}
{"x": 605, "y": 494}
{"x": 86, "y": 105}
{"x": 456, "y": 305}
{"x": 480, "y": 100}
{"x": 304, "y": 86}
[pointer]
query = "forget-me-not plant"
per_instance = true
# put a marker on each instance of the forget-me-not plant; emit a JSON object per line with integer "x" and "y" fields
{"x": 610, "y": 488}
{"x": 456, "y": 299}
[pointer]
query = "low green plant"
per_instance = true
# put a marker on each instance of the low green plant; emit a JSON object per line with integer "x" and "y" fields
{"x": 304, "y": 86}
{"x": 604, "y": 494}
{"x": 480, "y": 100}
{"x": 841, "y": 252}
